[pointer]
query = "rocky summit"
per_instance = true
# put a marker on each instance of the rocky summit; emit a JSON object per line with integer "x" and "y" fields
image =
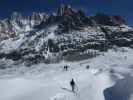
{"x": 66, "y": 34}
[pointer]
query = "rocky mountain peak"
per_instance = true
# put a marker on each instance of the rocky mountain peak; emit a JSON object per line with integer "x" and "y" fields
{"x": 105, "y": 19}
{"x": 16, "y": 16}
{"x": 69, "y": 19}
{"x": 64, "y": 10}
{"x": 38, "y": 16}
{"x": 66, "y": 33}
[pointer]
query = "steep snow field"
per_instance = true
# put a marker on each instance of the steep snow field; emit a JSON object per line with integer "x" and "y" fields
{"x": 108, "y": 74}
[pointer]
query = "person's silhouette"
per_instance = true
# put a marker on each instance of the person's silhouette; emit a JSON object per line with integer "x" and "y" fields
{"x": 72, "y": 83}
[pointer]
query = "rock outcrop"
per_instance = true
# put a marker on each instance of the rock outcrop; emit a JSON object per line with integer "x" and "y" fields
{"x": 68, "y": 33}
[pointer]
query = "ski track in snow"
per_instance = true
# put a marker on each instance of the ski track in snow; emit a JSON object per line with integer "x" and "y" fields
{"x": 47, "y": 84}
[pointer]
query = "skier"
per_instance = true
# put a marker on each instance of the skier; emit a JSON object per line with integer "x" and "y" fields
{"x": 72, "y": 84}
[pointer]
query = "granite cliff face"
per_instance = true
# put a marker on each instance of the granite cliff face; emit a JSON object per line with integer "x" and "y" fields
{"x": 65, "y": 34}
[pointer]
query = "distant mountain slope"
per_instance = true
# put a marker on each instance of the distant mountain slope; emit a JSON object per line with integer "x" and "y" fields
{"x": 66, "y": 34}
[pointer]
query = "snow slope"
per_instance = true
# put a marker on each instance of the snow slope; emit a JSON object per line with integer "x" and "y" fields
{"x": 51, "y": 87}
{"x": 50, "y": 82}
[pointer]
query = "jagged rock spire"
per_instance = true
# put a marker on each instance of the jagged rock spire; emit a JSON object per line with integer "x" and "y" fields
{"x": 16, "y": 15}
{"x": 63, "y": 9}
